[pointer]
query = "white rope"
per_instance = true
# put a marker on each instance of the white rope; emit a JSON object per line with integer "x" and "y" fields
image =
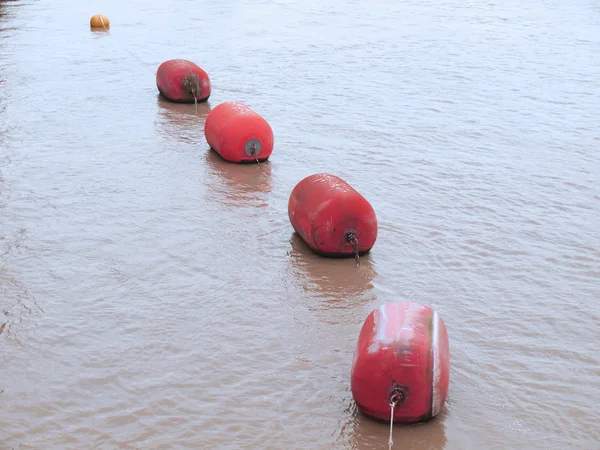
{"x": 391, "y": 442}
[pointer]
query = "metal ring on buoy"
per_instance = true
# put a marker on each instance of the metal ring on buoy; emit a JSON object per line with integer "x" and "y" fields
{"x": 253, "y": 147}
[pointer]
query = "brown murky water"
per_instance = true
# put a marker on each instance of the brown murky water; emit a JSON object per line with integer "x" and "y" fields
{"x": 153, "y": 296}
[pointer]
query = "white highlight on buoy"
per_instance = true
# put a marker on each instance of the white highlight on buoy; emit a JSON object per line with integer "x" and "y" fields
{"x": 435, "y": 356}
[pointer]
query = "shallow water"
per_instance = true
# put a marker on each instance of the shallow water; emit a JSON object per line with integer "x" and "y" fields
{"x": 153, "y": 296}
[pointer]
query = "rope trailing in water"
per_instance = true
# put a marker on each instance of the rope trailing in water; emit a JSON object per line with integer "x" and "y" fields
{"x": 351, "y": 237}
{"x": 143, "y": 63}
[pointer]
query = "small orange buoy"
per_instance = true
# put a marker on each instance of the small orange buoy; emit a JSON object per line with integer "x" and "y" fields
{"x": 182, "y": 81}
{"x": 99, "y": 21}
{"x": 332, "y": 217}
{"x": 238, "y": 134}
{"x": 402, "y": 357}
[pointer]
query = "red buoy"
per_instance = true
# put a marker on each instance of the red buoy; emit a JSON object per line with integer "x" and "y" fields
{"x": 402, "y": 356}
{"x": 332, "y": 217}
{"x": 182, "y": 81}
{"x": 238, "y": 134}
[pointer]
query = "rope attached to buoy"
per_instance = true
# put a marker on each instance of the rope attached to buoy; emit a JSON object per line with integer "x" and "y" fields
{"x": 195, "y": 99}
{"x": 192, "y": 82}
{"x": 397, "y": 396}
{"x": 390, "y": 441}
{"x": 351, "y": 237}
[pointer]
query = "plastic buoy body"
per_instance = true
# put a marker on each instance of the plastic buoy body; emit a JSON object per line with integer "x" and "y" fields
{"x": 182, "y": 81}
{"x": 238, "y": 134}
{"x": 99, "y": 21}
{"x": 331, "y": 217}
{"x": 402, "y": 355}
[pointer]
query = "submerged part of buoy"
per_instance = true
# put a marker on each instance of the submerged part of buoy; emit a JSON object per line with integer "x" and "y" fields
{"x": 402, "y": 357}
{"x": 332, "y": 217}
{"x": 238, "y": 134}
{"x": 182, "y": 81}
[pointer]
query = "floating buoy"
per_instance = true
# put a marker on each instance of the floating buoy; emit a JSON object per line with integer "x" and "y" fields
{"x": 99, "y": 21}
{"x": 182, "y": 81}
{"x": 332, "y": 217}
{"x": 402, "y": 357}
{"x": 238, "y": 134}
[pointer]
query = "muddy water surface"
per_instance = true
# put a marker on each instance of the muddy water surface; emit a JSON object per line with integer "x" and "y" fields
{"x": 153, "y": 296}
